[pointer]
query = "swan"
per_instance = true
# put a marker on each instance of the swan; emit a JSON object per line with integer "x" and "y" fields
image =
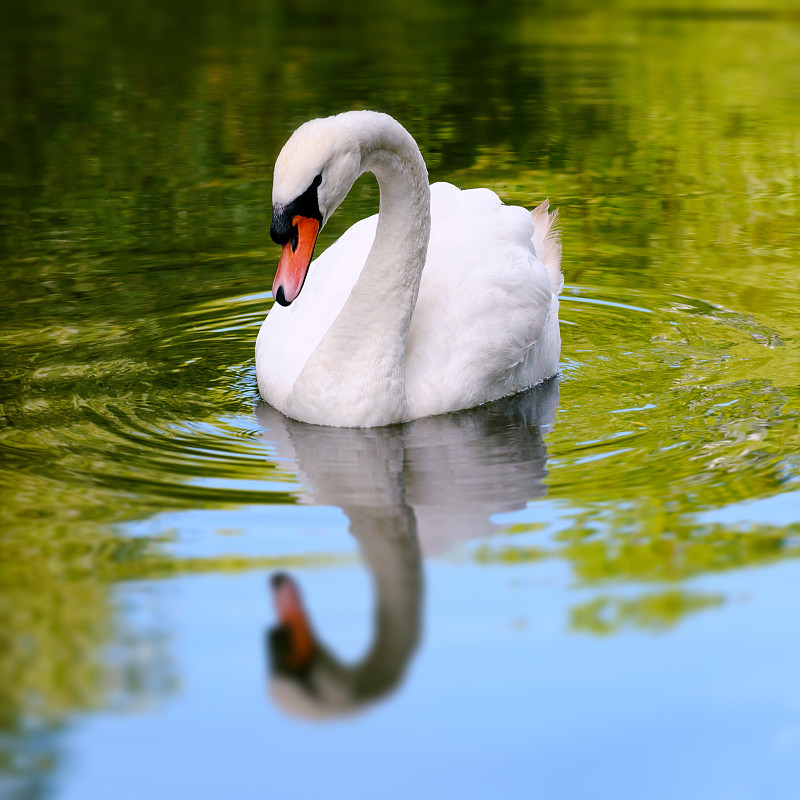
{"x": 364, "y": 336}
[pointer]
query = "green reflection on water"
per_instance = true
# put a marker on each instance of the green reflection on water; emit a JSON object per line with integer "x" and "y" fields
{"x": 137, "y": 145}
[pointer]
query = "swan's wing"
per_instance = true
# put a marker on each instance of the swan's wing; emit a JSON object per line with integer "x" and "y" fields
{"x": 485, "y": 325}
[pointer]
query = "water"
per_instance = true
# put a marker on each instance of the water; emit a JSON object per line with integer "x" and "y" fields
{"x": 586, "y": 591}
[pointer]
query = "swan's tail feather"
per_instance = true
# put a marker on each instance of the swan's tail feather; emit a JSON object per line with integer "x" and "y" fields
{"x": 547, "y": 243}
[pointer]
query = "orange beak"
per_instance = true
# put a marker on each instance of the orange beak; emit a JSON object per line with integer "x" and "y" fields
{"x": 289, "y": 607}
{"x": 295, "y": 260}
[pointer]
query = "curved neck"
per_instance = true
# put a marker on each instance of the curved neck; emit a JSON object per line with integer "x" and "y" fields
{"x": 389, "y": 545}
{"x": 394, "y": 265}
{"x": 362, "y": 356}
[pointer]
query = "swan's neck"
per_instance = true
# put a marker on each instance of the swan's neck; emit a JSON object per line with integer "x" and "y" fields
{"x": 358, "y": 367}
{"x": 387, "y": 537}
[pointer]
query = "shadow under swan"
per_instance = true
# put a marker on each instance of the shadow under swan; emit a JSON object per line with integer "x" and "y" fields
{"x": 407, "y": 490}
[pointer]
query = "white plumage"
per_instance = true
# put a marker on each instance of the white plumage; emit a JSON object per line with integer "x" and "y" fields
{"x": 354, "y": 348}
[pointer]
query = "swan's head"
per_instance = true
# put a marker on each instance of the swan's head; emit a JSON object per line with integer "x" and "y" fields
{"x": 313, "y": 174}
{"x": 305, "y": 679}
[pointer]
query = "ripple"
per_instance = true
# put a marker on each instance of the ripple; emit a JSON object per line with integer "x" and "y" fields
{"x": 708, "y": 389}
{"x": 654, "y": 400}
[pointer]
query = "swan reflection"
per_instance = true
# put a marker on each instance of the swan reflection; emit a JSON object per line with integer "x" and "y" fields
{"x": 408, "y": 490}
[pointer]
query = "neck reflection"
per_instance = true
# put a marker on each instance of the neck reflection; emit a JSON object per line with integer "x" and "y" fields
{"x": 407, "y": 490}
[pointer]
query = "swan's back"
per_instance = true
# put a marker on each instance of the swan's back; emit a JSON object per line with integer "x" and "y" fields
{"x": 486, "y": 322}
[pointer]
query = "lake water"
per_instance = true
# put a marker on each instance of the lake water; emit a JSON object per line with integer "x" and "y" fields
{"x": 590, "y": 590}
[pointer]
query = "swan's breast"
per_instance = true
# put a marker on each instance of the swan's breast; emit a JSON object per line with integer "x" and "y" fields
{"x": 290, "y": 334}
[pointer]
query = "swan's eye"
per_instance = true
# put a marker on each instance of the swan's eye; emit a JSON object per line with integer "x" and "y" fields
{"x": 306, "y": 205}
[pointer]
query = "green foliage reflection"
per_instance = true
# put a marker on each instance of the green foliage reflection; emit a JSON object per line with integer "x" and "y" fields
{"x": 655, "y": 612}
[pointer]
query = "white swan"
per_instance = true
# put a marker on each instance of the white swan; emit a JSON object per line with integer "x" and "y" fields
{"x": 374, "y": 340}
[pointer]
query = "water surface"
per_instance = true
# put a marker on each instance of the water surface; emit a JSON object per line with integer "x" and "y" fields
{"x": 585, "y": 591}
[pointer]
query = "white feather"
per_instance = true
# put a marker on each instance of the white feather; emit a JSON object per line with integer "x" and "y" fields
{"x": 485, "y": 323}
